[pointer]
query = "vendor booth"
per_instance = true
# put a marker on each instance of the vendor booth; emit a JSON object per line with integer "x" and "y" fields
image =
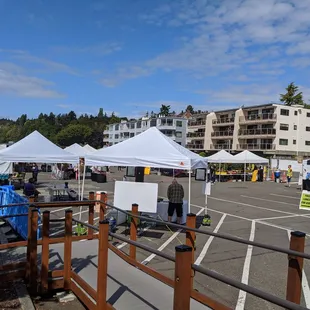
{"x": 148, "y": 149}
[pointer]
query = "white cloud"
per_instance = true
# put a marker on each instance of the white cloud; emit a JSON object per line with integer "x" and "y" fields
{"x": 229, "y": 36}
{"x": 26, "y": 86}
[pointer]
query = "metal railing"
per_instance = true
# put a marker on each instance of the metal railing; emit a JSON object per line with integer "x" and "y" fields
{"x": 184, "y": 259}
{"x": 257, "y": 132}
{"x": 221, "y": 146}
{"x": 228, "y": 133}
{"x": 196, "y": 123}
{"x": 256, "y": 146}
{"x": 258, "y": 117}
{"x": 195, "y": 135}
{"x": 195, "y": 146}
{"x": 219, "y": 121}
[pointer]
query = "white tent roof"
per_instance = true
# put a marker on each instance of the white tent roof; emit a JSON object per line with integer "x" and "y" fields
{"x": 148, "y": 149}
{"x": 89, "y": 148}
{"x": 76, "y": 149}
{"x": 221, "y": 157}
{"x": 250, "y": 158}
{"x": 38, "y": 149}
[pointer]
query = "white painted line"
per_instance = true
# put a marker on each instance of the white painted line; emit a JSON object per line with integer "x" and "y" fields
{"x": 54, "y": 211}
{"x": 304, "y": 282}
{"x": 268, "y": 200}
{"x": 280, "y": 217}
{"x": 120, "y": 246}
{"x": 290, "y": 197}
{"x": 246, "y": 270}
{"x": 208, "y": 243}
{"x": 251, "y": 206}
{"x": 149, "y": 258}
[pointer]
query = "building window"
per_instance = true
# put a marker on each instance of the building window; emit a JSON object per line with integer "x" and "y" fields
{"x": 308, "y": 114}
{"x": 307, "y": 143}
{"x": 307, "y": 128}
{"x": 179, "y": 123}
{"x": 295, "y": 113}
{"x": 295, "y": 127}
{"x": 139, "y": 124}
{"x": 285, "y": 112}
{"x": 283, "y": 141}
{"x": 178, "y": 134}
{"x": 132, "y": 134}
{"x": 284, "y": 127}
{"x": 116, "y": 137}
{"x": 116, "y": 127}
{"x": 294, "y": 141}
{"x": 132, "y": 125}
{"x": 153, "y": 122}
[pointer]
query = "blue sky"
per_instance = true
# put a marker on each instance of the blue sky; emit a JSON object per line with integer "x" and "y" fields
{"x": 132, "y": 56}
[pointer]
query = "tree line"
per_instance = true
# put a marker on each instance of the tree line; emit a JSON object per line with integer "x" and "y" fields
{"x": 62, "y": 129}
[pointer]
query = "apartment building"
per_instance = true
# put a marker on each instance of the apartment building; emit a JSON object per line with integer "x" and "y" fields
{"x": 196, "y": 127}
{"x": 173, "y": 127}
{"x": 273, "y": 129}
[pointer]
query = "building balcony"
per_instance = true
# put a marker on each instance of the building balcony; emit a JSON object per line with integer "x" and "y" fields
{"x": 256, "y": 146}
{"x": 192, "y": 146}
{"x": 226, "y": 146}
{"x": 223, "y": 121}
{"x": 264, "y": 132}
{"x": 194, "y": 135}
{"x": 222, "y": 134}
{"x": 258, "y": 118}
{"x": 196, "y": 123}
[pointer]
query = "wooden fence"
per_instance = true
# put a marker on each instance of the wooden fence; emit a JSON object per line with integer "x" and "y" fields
{"x": 185, "y": 269}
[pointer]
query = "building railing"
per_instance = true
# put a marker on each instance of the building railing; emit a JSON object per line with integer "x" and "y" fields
{"x": 195, "y": 135}
{"x": 184, "y": 259}
{"x": 196, "y": 123}
{"x": 257, "y": 132}
{"x": 258, "y": 117}
{"x": 221, "y": 146}
{"x": 228, "y": 120}
{"x": 195, "y": 146}
{"x": 222, "y": 133}
{"x": 256, "y": 146}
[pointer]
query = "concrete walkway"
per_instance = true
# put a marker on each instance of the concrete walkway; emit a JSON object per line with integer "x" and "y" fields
{"x": 128, "y": 287}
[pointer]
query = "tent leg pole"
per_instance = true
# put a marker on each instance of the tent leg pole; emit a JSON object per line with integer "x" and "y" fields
{"x": 189, "y": 191}
{"x": 78, "y": 176}
{"x": 244, "y": 172}
{"x": 82, "y": 191}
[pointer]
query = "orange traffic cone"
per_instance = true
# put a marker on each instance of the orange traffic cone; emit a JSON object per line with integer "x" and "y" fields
{"x": 284, "y": 177}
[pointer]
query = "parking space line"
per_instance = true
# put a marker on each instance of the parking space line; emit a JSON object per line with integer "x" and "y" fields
{"x": 268, "y": 200}
{"x": 251, "y": 206}
{"x": 149, "y": 258}
{"x": 246, "y": 270}
{"x": 208, "y": 243}
{"x": 120, "y": 246}
{"x": 281, "y": 217}
{"x": 290, "y": 197}
{"x": 304, "y": 282}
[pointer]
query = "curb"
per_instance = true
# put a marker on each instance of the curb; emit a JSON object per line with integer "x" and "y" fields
{"x": 23, "y": 296}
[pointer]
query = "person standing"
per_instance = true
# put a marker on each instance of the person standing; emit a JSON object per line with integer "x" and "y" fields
{"x": 35, "y": 172}
{"x": 175, "y": 195}
{"x": 289, "y": 175}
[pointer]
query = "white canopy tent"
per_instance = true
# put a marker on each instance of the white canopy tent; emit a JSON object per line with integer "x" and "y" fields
{"x": 76, "y": 149}
{"x": 247, "y": 157}
{"x": 221, "y": 157}
{"x": 37, "y": 149}
{"x": 89, "y": 148}
{"x": 151, "y": 148}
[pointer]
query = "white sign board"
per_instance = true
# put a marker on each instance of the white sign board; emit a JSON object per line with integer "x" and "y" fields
{"x": 206, "y": 188}
{"x": 143, "y": 194}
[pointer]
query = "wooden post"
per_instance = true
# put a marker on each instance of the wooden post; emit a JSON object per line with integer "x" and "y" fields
{"x": 91, "y": 209}
{"x": 133, "y": 231}
{"x": 191, "y": 238}
{"x": 295, "y": 267}
{"x": 30, "y": 208}
{"x": 33, "y": 252}
{"x": 102, "y": 276}
{"x": 182, "y": 276}
{"x": 45, "y": 252}
{"x": 68, "y": 250}
{"x": 103, "y": 201}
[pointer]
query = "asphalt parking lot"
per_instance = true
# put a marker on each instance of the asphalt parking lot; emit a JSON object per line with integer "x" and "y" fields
{"x": 263, "y": 212}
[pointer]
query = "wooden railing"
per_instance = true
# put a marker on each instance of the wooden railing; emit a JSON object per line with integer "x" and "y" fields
{"x": 185, "y": 268}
